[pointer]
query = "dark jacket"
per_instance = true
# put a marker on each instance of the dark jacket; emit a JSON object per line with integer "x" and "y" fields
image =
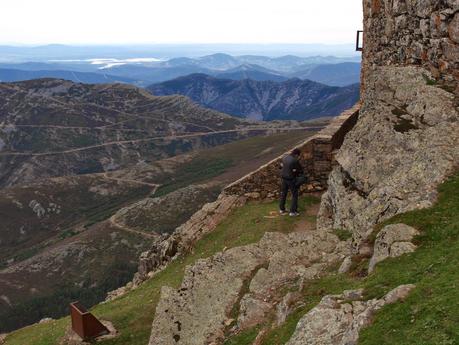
{"x": 291, "y": 167}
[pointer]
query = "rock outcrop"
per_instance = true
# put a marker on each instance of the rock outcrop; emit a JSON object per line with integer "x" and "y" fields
{"x": 405, "y": 142}
{"x": 161, "y": 215}
{"x": 167, "y": 247}
{"x": 338, "y": 319}
{"x": 392, "y": 241}
{"x": 244, "y": 280}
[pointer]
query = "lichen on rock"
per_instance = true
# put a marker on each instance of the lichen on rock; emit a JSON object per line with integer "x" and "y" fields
{"x": 337, "y": 319}
{"x": 392, "y": 241}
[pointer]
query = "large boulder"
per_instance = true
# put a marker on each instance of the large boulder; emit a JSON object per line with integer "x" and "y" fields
{"x": 245, "y": 281}
{"x": 392, "y": 241}
{"x": 338, "y": 319}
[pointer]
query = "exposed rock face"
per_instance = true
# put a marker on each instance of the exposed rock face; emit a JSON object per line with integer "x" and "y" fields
{"x": 198, "y": 312}
{"x": 392, "y": 241}
{"x": 404, "y": 145}
{"x": 163, "y": 214}
{"x": 338, "y": 319}
{"x": 405, "y": 142}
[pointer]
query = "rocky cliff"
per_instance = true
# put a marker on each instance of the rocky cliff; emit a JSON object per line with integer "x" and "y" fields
{"x": 407, "y": 137}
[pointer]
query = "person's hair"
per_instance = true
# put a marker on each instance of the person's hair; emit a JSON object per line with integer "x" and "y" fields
{"x": 296, "y": 152}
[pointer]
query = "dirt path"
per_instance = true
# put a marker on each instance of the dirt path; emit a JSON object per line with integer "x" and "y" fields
{"x": 152, "y": 185}
{"x": 307, "y": 219}
{"x": 113, "y": 222}
{"x": 172, "y": 137}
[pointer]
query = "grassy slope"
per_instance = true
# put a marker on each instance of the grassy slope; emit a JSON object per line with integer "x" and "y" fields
{"x": 219, "y": 164}
{"x": 133, "y": 313}
{"x": 242, "y": 155}
{"x": 430, "y": 314}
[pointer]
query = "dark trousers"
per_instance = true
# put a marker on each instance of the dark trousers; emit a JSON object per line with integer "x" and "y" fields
{"x": 286, "y": 186}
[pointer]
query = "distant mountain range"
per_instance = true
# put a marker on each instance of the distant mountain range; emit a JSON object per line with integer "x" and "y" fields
{"x": 340, "y": 74}
{"x": 330, "y": 70}
{"x": 294, "y": 99}
{"x": 12, "y": 75}
{"x": 165, "y": 51}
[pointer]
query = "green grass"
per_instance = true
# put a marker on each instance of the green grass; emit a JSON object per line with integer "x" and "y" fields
{"x": 244, "y": 338}
{"x": 197, "y": 170}
{"x": 429, "y": 316}
{"x": 342, "y": 234}
{"x": 133, "y": 313}
{"x": 430, "y": 82}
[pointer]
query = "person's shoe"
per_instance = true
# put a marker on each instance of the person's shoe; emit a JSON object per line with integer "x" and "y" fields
{"x": 294, "y": 214}
{"x": 283, "y": 212}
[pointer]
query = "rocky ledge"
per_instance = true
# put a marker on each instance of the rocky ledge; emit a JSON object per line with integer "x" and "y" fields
{"x": 342, "y": 316}
{"x": 236, "y": 289}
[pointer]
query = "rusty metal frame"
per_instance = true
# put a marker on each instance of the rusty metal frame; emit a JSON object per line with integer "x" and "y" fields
{"x": 359, "y": 47}
{"x": 84, "y": 323}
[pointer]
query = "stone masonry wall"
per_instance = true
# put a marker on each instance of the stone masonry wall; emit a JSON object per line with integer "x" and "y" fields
{"x": 317, "y": 157}
{"x": 413, "y": 32}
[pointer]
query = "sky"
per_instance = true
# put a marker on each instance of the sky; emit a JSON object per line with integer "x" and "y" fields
{"x": 179, "y": 21}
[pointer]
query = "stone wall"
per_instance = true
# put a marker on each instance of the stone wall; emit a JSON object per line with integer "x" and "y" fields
{"x": 405, "y": 141}
{"x": 317, "y": 156}
{"x": 413, "y": 32}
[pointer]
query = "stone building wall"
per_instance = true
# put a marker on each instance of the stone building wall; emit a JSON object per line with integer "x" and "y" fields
{"x": 317, "y": 156}
{"x": 413, "y": 32}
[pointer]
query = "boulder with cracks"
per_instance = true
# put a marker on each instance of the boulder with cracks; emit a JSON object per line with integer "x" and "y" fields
{"x": 243, "y": 281}
{"x": 392, "y": 241}
{"x": 403, "y": 146}
{"x": 338, "y": 319}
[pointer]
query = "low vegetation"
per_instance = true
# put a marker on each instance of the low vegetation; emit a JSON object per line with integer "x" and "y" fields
{"x": 133, "y": 313}
{"x": 428, "y": 316}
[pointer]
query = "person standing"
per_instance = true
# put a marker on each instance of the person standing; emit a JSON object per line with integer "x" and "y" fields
{"x": 291, "y": 170}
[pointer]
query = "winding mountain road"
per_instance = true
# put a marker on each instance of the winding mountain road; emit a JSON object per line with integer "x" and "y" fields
{"x": 170, "y": 137}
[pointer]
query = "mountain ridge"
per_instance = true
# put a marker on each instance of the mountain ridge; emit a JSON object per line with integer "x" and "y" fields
{"x": 293, "y": 99}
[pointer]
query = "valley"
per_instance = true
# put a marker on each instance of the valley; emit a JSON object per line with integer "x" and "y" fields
{"x": 51, "y": 128}
{"x": 54, "y": 227}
